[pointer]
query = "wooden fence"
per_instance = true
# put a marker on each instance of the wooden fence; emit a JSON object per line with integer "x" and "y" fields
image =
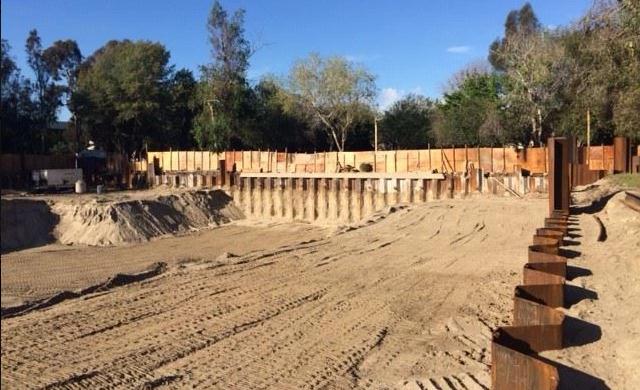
{"x": 173, "y": 161}
{"x": 497, "y": 160}
{"x": 13, "y": 164}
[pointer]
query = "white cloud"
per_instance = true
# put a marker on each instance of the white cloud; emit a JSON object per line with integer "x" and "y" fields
{"x": 388, "y": 96}
{"x": 361, "y": 57}
{"x": 458, "y": 49}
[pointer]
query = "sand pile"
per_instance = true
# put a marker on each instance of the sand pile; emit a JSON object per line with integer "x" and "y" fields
{"x": 92, "y": 221}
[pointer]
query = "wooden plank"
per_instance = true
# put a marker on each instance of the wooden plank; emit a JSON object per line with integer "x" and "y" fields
{"x": 349, "y": 175}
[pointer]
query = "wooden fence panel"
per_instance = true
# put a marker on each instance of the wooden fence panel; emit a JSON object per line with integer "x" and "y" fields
{"x": 510, "y": 159}
{"x": 596, "y": 158}
{"x": 534, "y": 160}
{"x": 497, "y": 160}
{"x": 460, "y": 159}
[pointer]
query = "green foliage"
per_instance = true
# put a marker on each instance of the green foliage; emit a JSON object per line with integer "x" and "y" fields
{"x": 407, "y": 123}
{"x": 334, "y": 92}
{"x": 553, "y": 77}
{"x": 275, "y": 126}
{"x": 473, "y": 113}
{"x": 18, "y": 112}
{"x": 122, "y": 94}
{"x": 541, "y": 82}
{"x": 181, "y": 110}
{"x": 225, "y": 98}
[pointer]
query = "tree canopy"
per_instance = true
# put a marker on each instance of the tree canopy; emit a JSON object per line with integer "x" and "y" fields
{"x": 537, "y": 82}
{"x": 122, "y": 94}
{"x": 333, "y": 93}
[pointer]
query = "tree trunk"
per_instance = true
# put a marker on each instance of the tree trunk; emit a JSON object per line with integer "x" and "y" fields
{"x": 540, "y": 126}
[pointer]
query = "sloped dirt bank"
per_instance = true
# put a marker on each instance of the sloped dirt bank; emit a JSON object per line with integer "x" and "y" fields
{"x": 103, "y": 221}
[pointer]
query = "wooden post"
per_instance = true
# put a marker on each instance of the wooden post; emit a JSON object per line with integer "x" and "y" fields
{"x": 603, "y": 160}
{"x": 395, "y": 161}
{"x": 324, "y": 160}
{"x": 504, "y": 159}
{"x": 375, "y": 129}
{"x": 407, "y": 154}
{"x": 588, "y": 137}
{"x": 492, "y": 159}
{"x": 375, "y": 161}
{"x": 454, "y": 158}
{"x": 466, "y": 158}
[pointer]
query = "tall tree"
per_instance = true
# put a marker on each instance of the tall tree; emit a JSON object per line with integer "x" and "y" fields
{"x": 472, "y": 114}
{"x": 534, "y": 62}
{"x": 17, "y": 109}
{"x": 224, "y": 92}
{"x": 122, "y": 95}
{"x": 277, "y": 127}
{"x": 407, "y": 123}
{"x": 181, "y": 109}
{"x": 48, "y": 93}
{"x": 63, "y": 59}
{"x": 334, "y": 92}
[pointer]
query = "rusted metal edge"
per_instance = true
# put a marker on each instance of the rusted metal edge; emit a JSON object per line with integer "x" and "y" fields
{"x": 513, "y": 368}
{"x": 551, "y": 295}
{"x": 632, "y": 201}
{"x": 544, "y": 273}
{"x": 539, "y": 239}
{"x": 537, "y": 325}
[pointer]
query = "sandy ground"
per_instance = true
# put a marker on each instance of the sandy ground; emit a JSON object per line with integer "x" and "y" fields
{"x": 37, "y": 273}
{"x": 608, "y": 342}
{"x": 406, "y": 299}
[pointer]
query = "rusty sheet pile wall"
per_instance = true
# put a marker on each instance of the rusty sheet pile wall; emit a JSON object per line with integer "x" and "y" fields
{"x": 538, "y": 325}
{"x": 346, "y": 196}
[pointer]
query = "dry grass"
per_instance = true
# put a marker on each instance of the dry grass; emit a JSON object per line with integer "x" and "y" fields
{"x": 626, "y": 180}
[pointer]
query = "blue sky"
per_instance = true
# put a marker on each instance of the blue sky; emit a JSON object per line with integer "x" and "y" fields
{"x": 411, "y": 45}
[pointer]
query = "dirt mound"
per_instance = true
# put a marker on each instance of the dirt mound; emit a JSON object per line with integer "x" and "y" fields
{"x": 26, "y": 223}
{"x": 98, "y": 222}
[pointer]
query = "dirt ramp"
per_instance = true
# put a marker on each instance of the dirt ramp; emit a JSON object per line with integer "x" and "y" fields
{"x": 26, "y": 223}
{"x": 121, "y": 222}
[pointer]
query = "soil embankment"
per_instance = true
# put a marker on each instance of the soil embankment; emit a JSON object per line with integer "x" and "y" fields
{"x": 100, "y": 221}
